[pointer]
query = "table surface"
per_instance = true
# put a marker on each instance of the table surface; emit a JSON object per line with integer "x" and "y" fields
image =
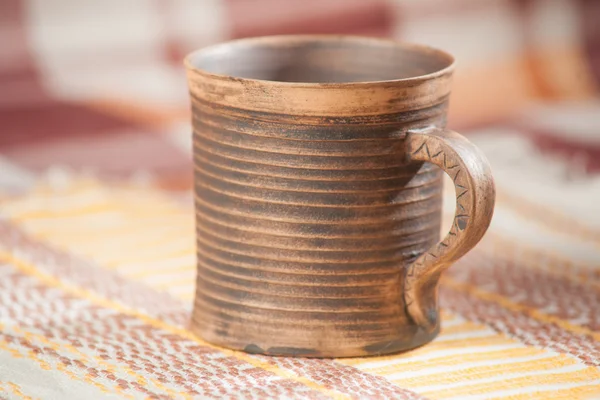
{"x": 97, "y": 280}
{"x": 96, "y": 218}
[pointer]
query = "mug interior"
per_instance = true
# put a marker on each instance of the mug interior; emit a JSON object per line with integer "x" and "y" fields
{"x": 319, "y": 59}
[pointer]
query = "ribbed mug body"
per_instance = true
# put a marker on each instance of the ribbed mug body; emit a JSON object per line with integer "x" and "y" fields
{"x": 307, "y": 210}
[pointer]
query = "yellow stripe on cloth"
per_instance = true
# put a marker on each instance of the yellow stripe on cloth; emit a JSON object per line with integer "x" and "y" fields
{"x": 160, "y": 272}
{"x": 456, "y": 361}
{"x": 438, "y": 349}
{"x": 446, "y": 348}
{"x": 160, "y": 249}
{"x": 471, "y": 355}
{"x": 136, "y": 231}
{"x": 14, "y": 389}
{"x": 495, "y": 369}
{"x": 524, "y": 382}
{"x": 565, "y": 391}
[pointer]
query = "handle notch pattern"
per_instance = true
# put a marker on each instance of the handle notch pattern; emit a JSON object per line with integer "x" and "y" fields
{"x": 475, "y": 199}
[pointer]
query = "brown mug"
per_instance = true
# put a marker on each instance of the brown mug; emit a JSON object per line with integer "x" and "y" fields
{"x": 318, "y": 193}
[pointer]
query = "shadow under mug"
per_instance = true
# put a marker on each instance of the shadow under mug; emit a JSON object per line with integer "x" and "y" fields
{"x": 318, "y": 191}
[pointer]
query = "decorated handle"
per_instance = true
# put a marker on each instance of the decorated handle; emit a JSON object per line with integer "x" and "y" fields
{"x": 475, "y": 198}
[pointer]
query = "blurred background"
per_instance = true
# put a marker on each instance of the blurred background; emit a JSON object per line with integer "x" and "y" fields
{"x": 97, "y": 88}
{"x": 96, "y": 173}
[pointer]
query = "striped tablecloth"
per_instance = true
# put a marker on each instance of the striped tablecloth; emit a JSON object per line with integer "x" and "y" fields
{"x": 97, "y": 279}
{"x": 96, "y": 217}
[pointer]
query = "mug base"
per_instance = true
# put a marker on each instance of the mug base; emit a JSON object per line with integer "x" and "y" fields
{"x": 402, "y": 344}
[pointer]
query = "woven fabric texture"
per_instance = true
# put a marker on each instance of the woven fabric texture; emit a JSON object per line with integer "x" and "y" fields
{"x": 97, "y": 248}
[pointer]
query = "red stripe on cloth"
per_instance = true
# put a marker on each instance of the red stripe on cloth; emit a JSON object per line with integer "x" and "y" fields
{"x": 35, "y": 124}
{"x": 116, "y": 153}
{"x": 269, "y": 17}
{"x": 340, "y": 377}
{"x": 590, "y": 20}
{"x": 570, "y": 132}
{"x": 586, "y": 155}
{"x": 19, "y": 79}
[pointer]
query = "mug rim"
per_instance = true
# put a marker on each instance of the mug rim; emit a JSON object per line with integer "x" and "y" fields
{"x": 274, "y": 39}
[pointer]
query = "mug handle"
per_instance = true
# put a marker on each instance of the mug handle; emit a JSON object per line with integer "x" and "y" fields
{"x": 475, "y": 199}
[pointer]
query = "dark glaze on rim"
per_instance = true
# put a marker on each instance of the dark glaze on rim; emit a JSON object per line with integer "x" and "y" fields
{"x": 318, "y": 198}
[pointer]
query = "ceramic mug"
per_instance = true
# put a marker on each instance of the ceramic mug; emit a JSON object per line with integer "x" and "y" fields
{"x": 318, "y": 193}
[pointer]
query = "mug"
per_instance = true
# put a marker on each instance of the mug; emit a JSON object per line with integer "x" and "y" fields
{"x": 318, "y": 166}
